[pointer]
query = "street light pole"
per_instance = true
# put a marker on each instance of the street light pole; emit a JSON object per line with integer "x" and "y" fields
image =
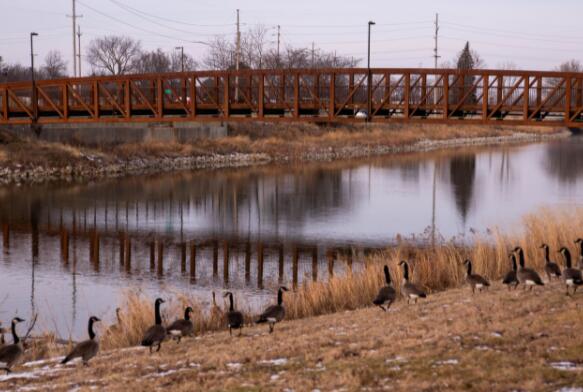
{"x": 369, "y": 83}
{"x": 33, "y": 93}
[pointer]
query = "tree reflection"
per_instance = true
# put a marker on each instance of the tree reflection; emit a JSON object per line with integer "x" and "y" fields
{"x": 564, "y": 160}
{"x": 462, "y": 170}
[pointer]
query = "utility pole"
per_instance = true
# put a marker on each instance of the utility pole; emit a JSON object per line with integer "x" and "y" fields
{"x": 435, "y": 49}
{"x": 74, "y": 16}
{"x": 238, "y": 57}
{"x": 278, "y": 42}
{"x": 79, "y": 48}
{"x": 33, "y": 83}
{"x": 369, "y": 76}
{"x": 181, "y": 48}
{"x": 436, "y": 56}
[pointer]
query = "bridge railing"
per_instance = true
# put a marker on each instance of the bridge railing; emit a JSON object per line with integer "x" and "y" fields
{"x": 318, "y": 95}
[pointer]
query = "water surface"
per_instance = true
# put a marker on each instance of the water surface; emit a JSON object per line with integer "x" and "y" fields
{"x": 70, "y": 249}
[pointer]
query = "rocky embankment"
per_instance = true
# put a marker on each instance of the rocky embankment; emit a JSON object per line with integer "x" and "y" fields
{"x": 92, "y": 166}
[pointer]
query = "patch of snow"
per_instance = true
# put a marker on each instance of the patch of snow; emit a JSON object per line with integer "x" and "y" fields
{"x": 496, "y": 334}
{"x": 274, "y": 377}
{"x": 570, "y": 389}
{"x": 42, "y": 362}
{"x": 452, "y": 361}
{"x": 565, "y": 365}
{"x": 164, "y": 374}
{"x": 274, "y": 362}
{"x": 24, "y": 375}
{"x": 194, "y": 365}
{"x": 234, "y": 366}
{"x": 398, "y": 359}
{"x": 482, "y": 348}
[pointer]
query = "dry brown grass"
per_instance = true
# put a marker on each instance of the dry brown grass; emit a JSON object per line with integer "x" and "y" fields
{"x": 290, "y": 141}
{"x": 435, "y": 269}
{"x": 496, "y": 341}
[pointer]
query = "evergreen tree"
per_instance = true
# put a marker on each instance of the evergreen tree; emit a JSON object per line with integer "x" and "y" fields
{"x": 465, "y": 62}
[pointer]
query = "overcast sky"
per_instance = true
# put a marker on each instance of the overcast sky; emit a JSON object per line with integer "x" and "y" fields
{"x": 533, "y": 34}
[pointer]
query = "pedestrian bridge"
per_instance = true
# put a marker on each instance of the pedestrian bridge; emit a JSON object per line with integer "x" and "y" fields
{"x": 333, "y": 95}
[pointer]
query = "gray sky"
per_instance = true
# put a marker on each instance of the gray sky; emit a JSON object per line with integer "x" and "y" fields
{"x": 533, "y": 34}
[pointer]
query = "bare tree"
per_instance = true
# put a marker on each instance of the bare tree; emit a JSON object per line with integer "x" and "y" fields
{"x": 220, "y": 54}
{"x": 155, "y": 61}
{"x": 190, "y": 64}
{"x": 113, "y": 54}
{"x": 55, "y": 66}
{"x": 570, "y": 66}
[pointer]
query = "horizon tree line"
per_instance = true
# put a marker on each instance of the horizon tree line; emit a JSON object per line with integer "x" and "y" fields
{"x": 118, "y": 55}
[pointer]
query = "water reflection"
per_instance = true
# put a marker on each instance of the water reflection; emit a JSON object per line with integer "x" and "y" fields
{"x": 462, "y": 171}
{"x": 73, "y": 248}
{"x": 564, "y": 161}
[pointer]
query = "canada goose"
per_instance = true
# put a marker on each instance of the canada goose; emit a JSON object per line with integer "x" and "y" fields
{"x": 156, "y": 333}
{"x": 274, "y": 313}
{"x": 182, "y": 327}
{"x": 579, "y": 241}
{"x": 510, "y": 279}
{"x": 527, "y": 276}
{"x": 234, "y": 317}
{"x": 86, "y": 349}
{"x": 475, "y": 281}
{"x": 571, "y": 276}
{"x": 408, "y": 289}
{"x": 10, "y": 353}
{"x": 552, "y": 269}
{"x": 387, "y": 294}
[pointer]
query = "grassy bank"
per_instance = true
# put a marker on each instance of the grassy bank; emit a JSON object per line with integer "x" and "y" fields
{"x": 435, "y": 269}
{"x": 26, "y": 160}
{"x": 495, "y": 341}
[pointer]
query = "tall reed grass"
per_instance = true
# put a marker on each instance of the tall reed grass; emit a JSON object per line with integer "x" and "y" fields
{"x": 434, "y": 268}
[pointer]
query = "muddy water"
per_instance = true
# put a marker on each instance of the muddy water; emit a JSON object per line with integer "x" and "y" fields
{"x": 71, "y": 249}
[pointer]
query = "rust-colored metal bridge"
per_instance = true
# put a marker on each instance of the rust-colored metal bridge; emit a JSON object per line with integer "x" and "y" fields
{"x": 316, "y": 95}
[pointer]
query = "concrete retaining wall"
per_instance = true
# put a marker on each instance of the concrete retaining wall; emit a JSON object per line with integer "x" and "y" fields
{"x": 112, "y": 133}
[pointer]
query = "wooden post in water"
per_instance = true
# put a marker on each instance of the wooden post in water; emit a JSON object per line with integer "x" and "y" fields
{"x": 96, "y": 251}
{"x": 226, "y": 261}
{"x": 183, "y": 258}
{"x": 160, "y": 270}
{"x": 260, "y": 265}
{"x": 193, "y": 261}
{"x": 6, "y": 237}
{"x": 122, "y": 245}
{"x": 281, "y": 263}
{"x": 128, "y": 254}
{"x": 330, "y": 259}
{"x": 295, "y": 261}
{"x": 315, "y": 264}
{"x": 65, "y": 246}
{"x": 247, "y": 261}
{"x": 215, "y": 258}
{"x": 152, "y": 255}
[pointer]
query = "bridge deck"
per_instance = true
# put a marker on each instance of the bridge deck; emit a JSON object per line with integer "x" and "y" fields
{"x": 316, "y": 95}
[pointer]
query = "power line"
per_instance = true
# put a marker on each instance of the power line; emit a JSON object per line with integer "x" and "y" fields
{"x": 139, "y": 28}
{"x": 131, "y": 11}
{"x": 497, "y": 44}
{"x": 510, "y": 32}
{"x": 576, "y": 40}
{"x": 168, "y": 19}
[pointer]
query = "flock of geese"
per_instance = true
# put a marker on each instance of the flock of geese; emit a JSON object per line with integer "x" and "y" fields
{"x": 234, "y": 319}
